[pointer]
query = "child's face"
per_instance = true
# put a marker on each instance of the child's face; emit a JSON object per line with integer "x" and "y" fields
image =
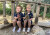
{"x": 18, "y": 9}
{"x": 28, "y": 9}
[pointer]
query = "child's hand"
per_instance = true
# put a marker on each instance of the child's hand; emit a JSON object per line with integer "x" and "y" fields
{"x": 31, "y": 19}
{"x": 24, "y": 17}
{"x": 15, "y": 17}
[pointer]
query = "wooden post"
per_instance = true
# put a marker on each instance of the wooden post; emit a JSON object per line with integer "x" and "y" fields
{"x": 12, "y": 9}
{"x": 37, "y": 14}
{"x": 33, "y": 8}
{"x": 4, "y": 9}
{"x": 4, "y": 13}
{"x": 37, "y": 11}
{"x": 16, "y": 3}
{"x": 45, "y": 10}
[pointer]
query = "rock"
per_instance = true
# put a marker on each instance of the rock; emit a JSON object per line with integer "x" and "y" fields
{"x": 6, "y": 21}
{"x": 48, "y": 32}
{"x": 38, "y": 30}
{"x": 5, "y": 26}
{"x": 45, "y": 24}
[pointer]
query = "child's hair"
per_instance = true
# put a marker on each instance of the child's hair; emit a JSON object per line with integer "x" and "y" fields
{"x": 19, "y": 6}
{"x": 28, "y": 5}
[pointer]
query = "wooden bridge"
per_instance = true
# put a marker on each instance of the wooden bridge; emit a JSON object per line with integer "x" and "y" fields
{"x": 38, "y": 3}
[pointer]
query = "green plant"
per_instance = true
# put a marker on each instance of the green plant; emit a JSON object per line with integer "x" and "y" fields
{"x": 8, "y": 11}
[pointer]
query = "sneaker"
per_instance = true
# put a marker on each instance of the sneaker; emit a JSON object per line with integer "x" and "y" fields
{"x": 23, "y": 29}
{"x": 14, "y": 29}
{"x": 28, "y": 30}
{"x": 19, "y": 30}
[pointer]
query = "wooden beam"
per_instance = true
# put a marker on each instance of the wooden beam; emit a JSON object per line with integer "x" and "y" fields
{"x": 4, "y": 9}
{"x": 45, "y": 10}
{"x": 12, "y": 9}
{"x": 35, "y": 3}
{"x": 31, "y": 2}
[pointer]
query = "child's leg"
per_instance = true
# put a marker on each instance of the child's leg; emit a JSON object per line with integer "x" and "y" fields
{"x": 29, "y": 25}
{"x": 19, "y": 25}
{"x": 25, "y": 21}
{"x": 14, "y": 24}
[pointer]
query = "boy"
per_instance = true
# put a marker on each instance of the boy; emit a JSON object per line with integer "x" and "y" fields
{"x": 29, "y": 20}
{"x": 18, "y": 18}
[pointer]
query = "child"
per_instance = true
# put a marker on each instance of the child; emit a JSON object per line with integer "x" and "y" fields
{"x": 18, "y": 18}
{"x": 29, "y": 20}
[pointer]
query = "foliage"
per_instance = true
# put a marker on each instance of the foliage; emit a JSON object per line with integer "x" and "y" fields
{"x": 8, "y": 11}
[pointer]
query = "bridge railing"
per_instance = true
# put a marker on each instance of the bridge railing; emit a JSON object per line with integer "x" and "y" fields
{"x": 39, "y": 4}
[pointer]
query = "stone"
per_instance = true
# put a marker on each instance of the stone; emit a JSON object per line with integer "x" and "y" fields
{"x": 5, "y": 26}
{"x": 45, "y": 24}
{"x": 38, "y": 30}
{"x": 6, "y": 21}
{"x": 48, "y": 32}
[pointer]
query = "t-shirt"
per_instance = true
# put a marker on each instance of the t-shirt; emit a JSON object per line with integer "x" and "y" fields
{"x": 21, "y": 15}
{"x": 30, "y": 15}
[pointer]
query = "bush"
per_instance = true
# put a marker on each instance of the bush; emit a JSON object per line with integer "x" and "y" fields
{"x": 8, "y": 11}
{"x": 1, "y": 11}
{"x": 48, "y": 15}
{"x": 41, "y": 13}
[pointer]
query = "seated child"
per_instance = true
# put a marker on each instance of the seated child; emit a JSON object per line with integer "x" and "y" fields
{"x": 18, "y": 18}
{"x": 29, "y": 20}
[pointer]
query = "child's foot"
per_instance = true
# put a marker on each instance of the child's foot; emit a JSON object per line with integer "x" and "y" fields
{"x": 28, "y": 30}
{"x": 23, "y": 29}
{"x": 19, "y": 30}
{"x": 14, "y": 29}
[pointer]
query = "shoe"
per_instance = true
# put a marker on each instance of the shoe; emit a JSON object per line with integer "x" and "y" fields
{"x": 19, "y": 30}
{"x": 28, "y": 30}
{"x": 23, "y": 29}
{"x": 14, "y": 29}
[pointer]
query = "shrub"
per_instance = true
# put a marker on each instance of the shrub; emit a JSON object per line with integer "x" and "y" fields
{"x": 8, "y": 11}
{"x": 1, "y": 11}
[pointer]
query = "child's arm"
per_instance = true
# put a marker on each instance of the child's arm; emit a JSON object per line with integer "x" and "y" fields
{"x": 15, "y": 15}
{"x": 31, "y": 16}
